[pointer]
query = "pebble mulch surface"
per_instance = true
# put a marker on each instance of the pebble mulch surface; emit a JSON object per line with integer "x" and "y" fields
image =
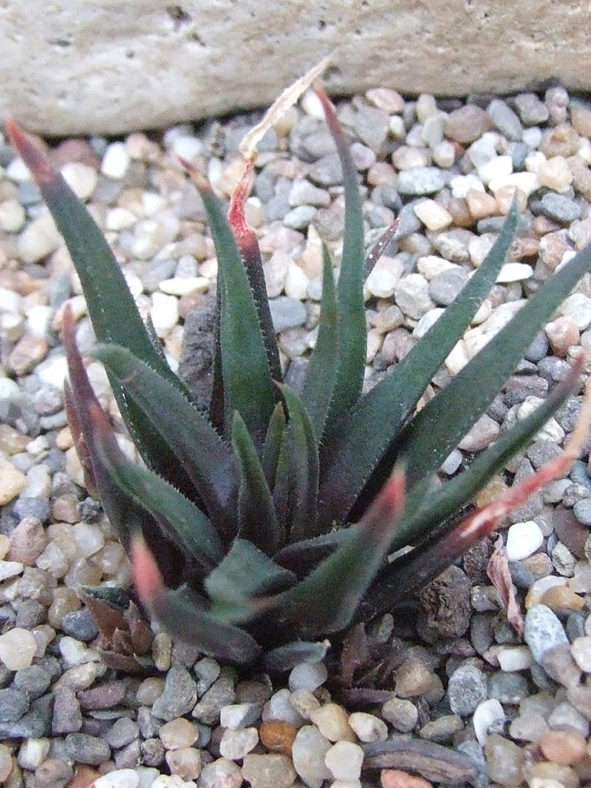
{"x": 468, "y": 701}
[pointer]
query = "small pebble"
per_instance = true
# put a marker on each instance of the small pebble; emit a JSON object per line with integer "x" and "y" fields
{"x": 344, "y": 759}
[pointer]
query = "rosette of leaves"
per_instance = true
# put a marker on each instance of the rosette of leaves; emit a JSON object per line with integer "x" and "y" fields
{"x": 270, "y": 520}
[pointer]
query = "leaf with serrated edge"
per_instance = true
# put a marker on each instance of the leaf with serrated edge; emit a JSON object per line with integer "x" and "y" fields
{"x": 247, "y": 382}
{"x": 198, "y": 448}
{"x": 244, "y": 574}
{"x": 321, "y": 372}
{"x": 441, "y": 424}
{"x": 257, "y": 519}
{"x": 313, "y": 603}
{"x": 421, "y": 515}
{"x": 351, "y": 315}
{"x": 272, "y": 445}
{"x": 302, "y": 461}
{"x": 353, "y": 449}
{"x": 420, "y": 566}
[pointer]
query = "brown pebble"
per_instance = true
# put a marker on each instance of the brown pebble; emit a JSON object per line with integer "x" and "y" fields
{"x": 396, "y": 778}
{"x": 27, "y": 541}
{"x": 562, "y": 598}
{"x": 481, "y": 204}
{"x": 562, "y": 140}
{"x": 522, "y": 248}
{"x": 505, "y": 197}
{"x": 562, "y": 334}
{"x": 467, "y": 123}
{"x": 460, "y": 212}
{"x": 493, "y": 490}
{"x": 84, "y": 777}
{"x": 26, "y": 354}
{"x": 277, "y": 736}
{"x": 563, "y": 775}
{"x": 581, "y": 175}
{"x": 565, "y": 747}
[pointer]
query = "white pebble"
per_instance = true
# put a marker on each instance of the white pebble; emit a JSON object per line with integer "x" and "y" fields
{"x": 296, "y": 282}
{"x": 38, "y": 240}
{"x": 581, "y": 652}
{"x": 121, "y": 778}
{"x": 17, "y": 648}
{"x": 523, "y": 539}
{"x": 461, "y": 185}
{"x": 514, "y": 272}
{"x": 527, "y": 182}
{"x": 235, "y": 744}
{"x": 115, "y": 161}
{"x": 182, "y": 285}
{"x": 488, "y": 714}
{"x": 89, "y": 539}
{"x": 10, "y": 569}
{"x": 308, "y": 676}
{"x": 39, "y": 320}
{"x": 74, "y": 652}
{"x": 164, "y": 313}
{"x": 344, "y": 759}
{"x": 187, "y": 148}
{"x": 53, "y": 371}
{"x": 32, "y": 753}
{"x": 80, "y": 178}
{"x": 12, "y": 481}
{"x": 18, "y": 171}
{"x": 499, "y": 167}
{"x": 312, "y": 105}
{"x": 12, "y": 216}
{"x": 10, "y": 301}
{"x": 551, "y": 430}
{"x": 515, "y": 658}
{"x": 578, "y": 307}
{"x": 119, "y": 219}
{"x": 368, "y": 727}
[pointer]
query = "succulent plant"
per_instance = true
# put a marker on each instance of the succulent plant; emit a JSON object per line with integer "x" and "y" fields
{"x": 276, "y": 518}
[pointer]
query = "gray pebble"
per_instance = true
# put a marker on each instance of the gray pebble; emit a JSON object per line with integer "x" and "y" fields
{"x": 559, "y": 207}
{"x": 531, "y": 109}
{"x": 538, "y": 348}
{"x": 147, "y": 723}
{"x": 179, "y": 695}
{"x": 287, "y": 313}
{"x": 34, "y": 724}
{"x": 220, "y": 694}
{"x": 421, "y": 180}
{"x": 152, "y": 752}
{"x": 122, "y": 732}
{"x": 33, "y": 507}
{"x": 67, "y": 716}
{"x": 83, "y": 748}
{"x": 578, "y": 471}
{"x": 303, "y": 192}
{"x": 80, "y": 624}
{"x": 129, "y": 756}
{"x": 28, "y": 193}
{"x": 206, "y": 670}
{"x": 565, "y": 716}
{"x": 326, "y": 171}
{"x": 582, "y": 511}
{"x": 453, "y": 244}
{"x": 505, "y": 120}
{"x": 316, "y": 145}
{"x": 300, "y": 217}
{"x": 508, "y": 687}
{"x": 466, "y": 689}
{"x": 371, "y": 125}
{"x": 13, "y": 704}
{"x": 543, "y": 630}
{"x": 103, "y": 696}
{"x": 442, "y": 729}
{"x": 444, "y": 287}
{"x": 33, "y": 680}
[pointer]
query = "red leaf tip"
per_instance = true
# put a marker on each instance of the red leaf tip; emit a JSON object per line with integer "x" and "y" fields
{"x": 146, "y": 575}
{"x": 30, "y": 154}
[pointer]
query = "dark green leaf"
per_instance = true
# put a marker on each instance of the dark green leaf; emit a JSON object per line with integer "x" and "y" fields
{"x": 319, "y": 385}
{"x": 302, "y": 460}
{"x": 442, "y": 423}
{"x": 327, "y": 598}
{"x": 356, "y": 445}
{"x": 198, "y": 448}
{"x": 244, "y": 574}
{"x": 257, "y": 519}
{"x": 272, "y": 445}
{"x": 247, "y": 382}
{"x": 351, "y": 315}
{"x": 422, "y": 515}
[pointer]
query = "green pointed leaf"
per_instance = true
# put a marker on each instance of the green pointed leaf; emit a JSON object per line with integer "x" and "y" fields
{"x": 424, "y": 514}
{"x": 351, "y": 316}
{"x": 302, "y": 556}
{"x": 441, "y": 424}
{"x": 272, "y": 445}
{"x": 302, "y": 460}
{"x": 257, "y": 519}
{"x": 244, "y": 574}
{"x": 196, "y": 445}
{"x": 247, "y": 382}
{"x": 326, "y": 599}
{"x": 248, "y": 246}
{"x": 354, "y": 448}
{"x": 179, "y": 614}
{"x": 114, "y": 320}
{"x": 320, "y": 379}
{"x": 184, "y": 522}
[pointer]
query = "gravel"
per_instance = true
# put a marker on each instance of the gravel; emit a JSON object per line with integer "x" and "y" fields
{"x": 465, "y": 694}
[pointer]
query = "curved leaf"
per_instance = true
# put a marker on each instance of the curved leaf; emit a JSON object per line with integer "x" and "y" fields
{"x": 196, "y": 445}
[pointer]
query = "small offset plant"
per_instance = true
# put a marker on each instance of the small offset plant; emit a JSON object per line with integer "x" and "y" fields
{"x": 276, "y": 518}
